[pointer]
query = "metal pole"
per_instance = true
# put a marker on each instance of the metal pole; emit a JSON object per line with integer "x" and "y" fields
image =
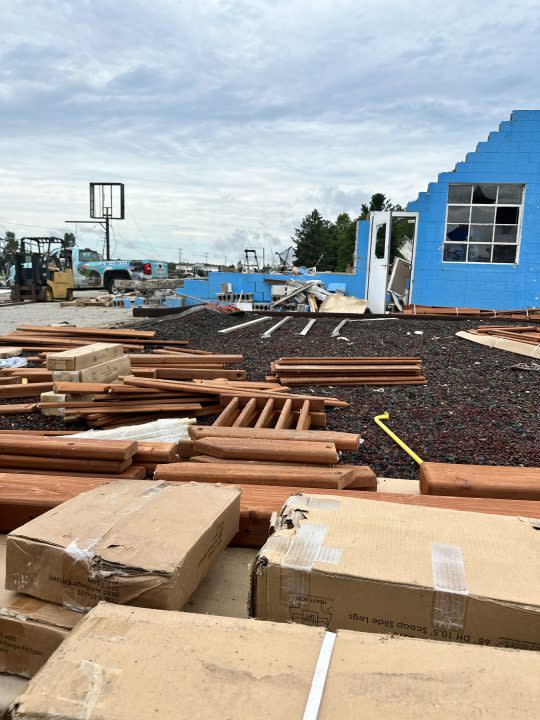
{"x": 107, "y": 239}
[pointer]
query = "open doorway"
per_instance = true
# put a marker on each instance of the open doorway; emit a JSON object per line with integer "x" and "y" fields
{"x": 392, "y": 239}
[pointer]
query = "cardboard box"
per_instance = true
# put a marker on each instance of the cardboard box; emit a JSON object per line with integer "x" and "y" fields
{"x": 103, "y": 373}
{"x": 132, "y": 542}
{"x": 84, "y": 357}
{"x": 415, "y": 571}
{"x": 30, "y": 629}
{"x": 125, "y": 663}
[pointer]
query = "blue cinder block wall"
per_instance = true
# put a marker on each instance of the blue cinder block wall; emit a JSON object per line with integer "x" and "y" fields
{"x": 510, "y": 155}
{"x": 355, "y": 283}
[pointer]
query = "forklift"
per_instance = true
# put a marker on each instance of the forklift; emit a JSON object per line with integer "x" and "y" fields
{"x": 40, "y": 276}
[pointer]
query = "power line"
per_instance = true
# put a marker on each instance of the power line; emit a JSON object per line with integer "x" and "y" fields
{"x": 147, "y": 241}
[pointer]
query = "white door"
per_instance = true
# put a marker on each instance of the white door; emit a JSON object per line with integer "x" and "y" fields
{"x": 379, "y": 253}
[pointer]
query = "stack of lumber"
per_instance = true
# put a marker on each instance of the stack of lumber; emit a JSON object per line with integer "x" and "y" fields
{"x": 519, "y": 339}
{"x": 268, "y": 457}
{"x": 55, "y": 338}
{"x": 23, "y": 497}
{"x": 480, "y": 481}
{"x": 55, "y": 454}
{"x": 462, "y": 312}
{"x": 348, "y": 371}
{"x": 140, "y": 399}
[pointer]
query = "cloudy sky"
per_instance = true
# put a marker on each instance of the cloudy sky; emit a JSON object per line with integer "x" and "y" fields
{"x": 229, "y": 120}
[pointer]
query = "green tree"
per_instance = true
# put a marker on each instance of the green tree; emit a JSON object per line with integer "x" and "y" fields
{"x": 344, "y": 230}
{"x": 378, "y": 202}
{"x": 11, "y": 244}
{"x": 69, "y": 239}
{"x": 314, "y": 242}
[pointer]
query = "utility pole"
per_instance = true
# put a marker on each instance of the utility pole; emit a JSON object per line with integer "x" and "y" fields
{"x": 107, "y": 235}
{"x": 206, "y": 258}
{"x": 179, "y": 256}
{"x": 225, "y": 263}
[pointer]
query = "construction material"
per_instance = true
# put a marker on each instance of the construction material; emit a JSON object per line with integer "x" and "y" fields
{"x": 254, "y": 473}
{"x": 483, "y": 481}
{"x": 243, "y": 325}
{"x": 275, "y": 327}
{"x": 348, "y": 371}
{"x": 342, "y": 441}
{"x": 224, "y": 660}
{"x": 57, "y": 447}
{"x": 520, "y": 343}
{"x": 319, "y": 453}
{"x": 437, "y": 574}
{"x": 467, "y": 313}
{"x": 379, "y": 421}
{"x": 105, "y": 372}
{"x": 120, "y": 542}
{"x": 84, "y": 357}
{"x": 307, "y": 327}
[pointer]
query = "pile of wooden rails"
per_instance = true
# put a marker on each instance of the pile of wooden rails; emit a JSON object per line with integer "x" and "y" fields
{"x": 56, "y": 455}
{"x": 466, "y": 313}
{"x": 529, "y": 334}
{"x": 348, "y": 371}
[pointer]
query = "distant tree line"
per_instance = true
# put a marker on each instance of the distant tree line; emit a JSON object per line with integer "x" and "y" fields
{"x": 330, "y": 245}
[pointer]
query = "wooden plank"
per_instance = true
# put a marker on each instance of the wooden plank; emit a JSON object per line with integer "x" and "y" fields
{"x": 342, "y": 440}
{"x": 319, "y": 453}
{"x": 265, "y": 417}
{"x": 284, "y": 419}
{"x": 246, "y": 416}
{"x": 491, "y": 481}
{"x": 228, "y": 414}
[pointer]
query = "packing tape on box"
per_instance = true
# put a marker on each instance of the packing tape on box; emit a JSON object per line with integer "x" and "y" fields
{"x": 319, "y": 677}
{"x": 450, "y": 597}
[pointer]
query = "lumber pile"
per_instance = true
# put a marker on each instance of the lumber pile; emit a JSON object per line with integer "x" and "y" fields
{"x": 481, "y": 481}
{"x": 25, "y": 496}
{"x": 466, "y": 313}
{"x": 519, "y": 339}
{"x": 348, "y": 371}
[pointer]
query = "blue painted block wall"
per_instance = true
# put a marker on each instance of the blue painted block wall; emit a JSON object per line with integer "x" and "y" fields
{"x": 255, "y": 282}
{"x": 510, "y": 155}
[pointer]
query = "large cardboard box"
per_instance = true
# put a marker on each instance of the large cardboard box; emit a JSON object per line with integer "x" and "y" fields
{"x": 30, "y": 629}
{"x": 131, "y": 541}
{"x": 84, "y": 357}
{"x": 124, "y": 663}
{"x": 416, "y": 571}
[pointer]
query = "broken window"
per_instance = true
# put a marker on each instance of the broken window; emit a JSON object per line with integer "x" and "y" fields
{"x": 483, "y": 223}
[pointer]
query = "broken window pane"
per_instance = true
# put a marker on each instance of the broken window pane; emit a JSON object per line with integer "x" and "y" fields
{"x": 479, "y": 253}
{"x": 381, "y": 242}
{"x": 457, "y": 233}
{"x": 484, "y": 194}
{"x": 482, "y": 214}
{"x": 504, "y": 253}
{"x": 459, "y": 194}
{"x": 459, "y": 214}
{"x": 455, "y": 253}
{"x": 507, "y": 215}
{"x": 505, "y": 233}
{"x": 510, "y": 194}
{"x": 481, "y": 233}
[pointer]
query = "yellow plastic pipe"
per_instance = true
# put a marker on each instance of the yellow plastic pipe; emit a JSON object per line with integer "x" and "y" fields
{"x": 385, "y": 416}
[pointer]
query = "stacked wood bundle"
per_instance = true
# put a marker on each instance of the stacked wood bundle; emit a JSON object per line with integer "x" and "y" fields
{"x": 348, "y": 371}
{"x": 268, "y": 457}
{"x": 43, "y": 454}
{"x": 482, "y": 481}
{"x": 465, "y": 313}
{"x": 519, "y": 339}
{"x": 55, "y": 338}
{"x": 24, "y": 496}
{"x": 529, "y": 334}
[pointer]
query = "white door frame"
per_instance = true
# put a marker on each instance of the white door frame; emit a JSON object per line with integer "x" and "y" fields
{"x": 376, "y": 218}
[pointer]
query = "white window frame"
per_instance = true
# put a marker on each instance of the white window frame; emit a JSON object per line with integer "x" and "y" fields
{"x": 492, "y": 244}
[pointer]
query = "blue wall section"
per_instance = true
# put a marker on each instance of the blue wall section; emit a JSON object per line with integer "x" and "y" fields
{"x": 510, "y": 155}
{"x": 255, "y": 282}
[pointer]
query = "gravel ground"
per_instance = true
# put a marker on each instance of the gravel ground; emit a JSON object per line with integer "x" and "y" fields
{"x": 474, "y": 409}
{"x": 51, "y": 313}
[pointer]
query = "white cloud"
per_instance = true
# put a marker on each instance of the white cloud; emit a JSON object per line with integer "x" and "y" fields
{"x": 229, "y": 120}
